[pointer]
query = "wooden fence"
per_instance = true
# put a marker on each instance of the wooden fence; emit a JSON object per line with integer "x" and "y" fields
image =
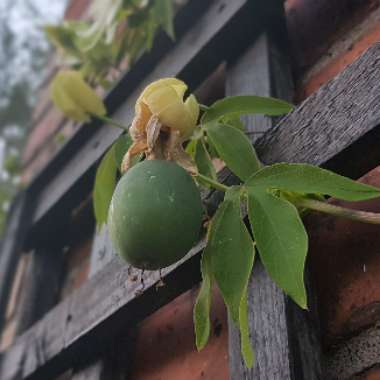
{"x": 335, "y": 128}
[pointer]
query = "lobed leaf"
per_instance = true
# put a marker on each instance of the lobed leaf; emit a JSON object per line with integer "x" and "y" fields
{"x": 232, "y": 120}
{"x": 163, "y": 10}
{"x": 281, "y": 240}
{"x": 232, "y": 252}
{"x": 235, "y": 149}
{"x": 304, "y": 178}
{"x": 202, "y": 306}
{"x": 203, "y": 160}
{"x": 246, "y": 347}
{"x": 246, "y": 104}
{"x": 121, "y": 147}
{"x": 105, "y": 182}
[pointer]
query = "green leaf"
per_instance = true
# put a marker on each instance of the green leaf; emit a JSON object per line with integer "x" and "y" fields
{"x": 203, "y": 160}
{"x": 232, "y": 120}
{"x": 121, "y": 147}
{"x": 303, "y": 178}
{"x": 163, "y": 10}
{"x": 232, "y": 252}
{"x": 105, "y": 182}
{"x": 190, "y": 147}
{"x": 235, "y": 149}
{"x": 63, "y": 38}
{"x": 203, "y": 303}
{"x": 281, "y": 240}
{"x": 246, "y": 104}
{"x": 246, "y": 347}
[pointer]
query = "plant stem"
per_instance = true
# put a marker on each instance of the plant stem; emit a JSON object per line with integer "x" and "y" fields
{"x": 360, "y": 216}
{"x": 215, "y": 184}
{"x": 203, "y": 108}
{"x": 110, "y": 121}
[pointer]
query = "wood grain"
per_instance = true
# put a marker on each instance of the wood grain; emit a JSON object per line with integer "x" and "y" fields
{"x": 251, "y": 74}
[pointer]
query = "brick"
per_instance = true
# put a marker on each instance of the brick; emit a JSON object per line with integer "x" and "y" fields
{"x": 8, "y": 334}
{"x": 372, "y": 374}
{"x": 165, "y": 347}
{"x": 345, "y": 262}
{"x": 338, "y": 64}
{"x": 77, "y": 267}
{"x": 44, "y": 130}
{"x": 76, "y": 9}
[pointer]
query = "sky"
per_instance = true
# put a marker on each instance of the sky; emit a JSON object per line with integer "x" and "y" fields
{"x": 24, "y": 51}
{"x": 23, "y": 20}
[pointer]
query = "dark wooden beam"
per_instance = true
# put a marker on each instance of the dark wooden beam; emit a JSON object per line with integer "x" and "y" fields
{"x": 340, "y": 118}
{"x": 117, "y": 359}
{"x": 285, "y": 343}
{"x": 252, "y": 74}
{"x": 11, "y": 247}
{"x": 82, "y": 324}
{"x": 41, "y": 286}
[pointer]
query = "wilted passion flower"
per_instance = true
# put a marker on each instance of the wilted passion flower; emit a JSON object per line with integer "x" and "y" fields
{"x": 163, "y": 120}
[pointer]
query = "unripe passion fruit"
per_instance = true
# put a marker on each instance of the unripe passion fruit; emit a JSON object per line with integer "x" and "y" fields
{"x": 155, "y": 214}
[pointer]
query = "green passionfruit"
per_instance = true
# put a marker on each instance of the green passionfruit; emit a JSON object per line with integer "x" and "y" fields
{"x": 155, "y": 214}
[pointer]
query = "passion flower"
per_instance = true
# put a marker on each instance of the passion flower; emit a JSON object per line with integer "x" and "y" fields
{"x": 163, "y": 121}
{"x": 74, "y": 97}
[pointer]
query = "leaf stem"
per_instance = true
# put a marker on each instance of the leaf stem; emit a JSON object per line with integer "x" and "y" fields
{"x": 360, "y": 216}
{"x": 110, "y": 121}
{"x": 215, "y": 184}
{"x": 203, "y": 108}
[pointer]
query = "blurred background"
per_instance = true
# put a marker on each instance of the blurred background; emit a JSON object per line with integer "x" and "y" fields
{"x": 24, "y": 54}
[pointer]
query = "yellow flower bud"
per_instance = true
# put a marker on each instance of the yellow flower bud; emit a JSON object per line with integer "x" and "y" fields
{"x": 165, "y": 99}
{"x": 74, "y": 97}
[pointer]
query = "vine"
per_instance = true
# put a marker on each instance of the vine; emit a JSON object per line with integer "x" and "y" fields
{"x": 274, "y": 196}
{"x": 117, "y": 32}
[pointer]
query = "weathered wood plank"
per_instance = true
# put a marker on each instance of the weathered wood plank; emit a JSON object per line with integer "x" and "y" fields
{"x": 42, "y": 286}
{"x": 79, "y": 326}
{"x": 332, "y": 119}
{"x": 218, "y": 32}
{"x": 78, "y": 329}
{"x": 252, "y": 74}
{"x": 115, "y": 362}
{"x": 10, "y": 250}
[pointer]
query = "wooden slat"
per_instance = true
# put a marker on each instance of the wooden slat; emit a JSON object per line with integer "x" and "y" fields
{"x": 87, "y": 319}
{"x": 41, "y": 286}
{"x": 10, "y": 251}
{"x": 285, "y": 343}
{"x": 102, "y": 251}
{"x": 340, "y": 113}
{"x": 218, "y": 32}
{"x": 269, "y": 334}
{"x": 115, "y": 363}
{"x": 79, "y": 328}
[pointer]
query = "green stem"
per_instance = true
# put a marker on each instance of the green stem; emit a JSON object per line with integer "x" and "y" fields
{"x": 328, "y": 208}
{"x": 203, "y": 108}
{"x": 215, "y": 184}
{"x": 110, "y": 121}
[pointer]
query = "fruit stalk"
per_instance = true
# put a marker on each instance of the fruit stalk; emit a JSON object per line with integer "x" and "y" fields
{"x": 214, "y": 184}
{"x": 328, "y": 208}
{"x": 110, "y": 121}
